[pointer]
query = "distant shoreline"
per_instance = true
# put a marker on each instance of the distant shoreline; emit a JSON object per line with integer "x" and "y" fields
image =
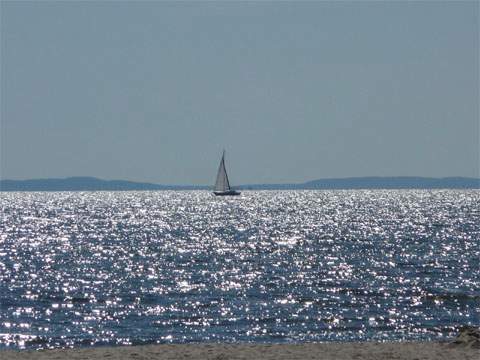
{"x": 95, "y": 184}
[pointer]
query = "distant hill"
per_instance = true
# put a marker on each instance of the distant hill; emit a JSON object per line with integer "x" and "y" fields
{"x": 94, "y": 184}
{"x": 84, "y": 184}
{"x": 400, "y": 182}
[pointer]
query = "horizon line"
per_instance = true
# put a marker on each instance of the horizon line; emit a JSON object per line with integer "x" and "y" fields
{"x": 249, "y": 184}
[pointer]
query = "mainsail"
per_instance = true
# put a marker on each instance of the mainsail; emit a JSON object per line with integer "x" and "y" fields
{"x": 222, "y": 183}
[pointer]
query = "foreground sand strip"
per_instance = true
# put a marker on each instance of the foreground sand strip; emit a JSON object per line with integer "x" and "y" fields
{"x": 327, "y": 351}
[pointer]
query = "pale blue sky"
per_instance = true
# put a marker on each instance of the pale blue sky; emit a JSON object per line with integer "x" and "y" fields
{"x": 152, "y": 91}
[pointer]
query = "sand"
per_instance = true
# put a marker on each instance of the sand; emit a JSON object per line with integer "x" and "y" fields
{"x": 466, "y": 346}
{"x": 344, "y": 351}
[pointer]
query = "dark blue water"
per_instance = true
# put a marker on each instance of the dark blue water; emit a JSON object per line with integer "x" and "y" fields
{"x": 98, "y": 268}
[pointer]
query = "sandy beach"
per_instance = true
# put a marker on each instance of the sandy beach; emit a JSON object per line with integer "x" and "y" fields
{"x": 327, "y": 351}
{"x": 465, "y": 346}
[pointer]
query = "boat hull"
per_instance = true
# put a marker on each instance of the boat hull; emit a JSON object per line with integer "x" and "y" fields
{"x": 226, "y": 193}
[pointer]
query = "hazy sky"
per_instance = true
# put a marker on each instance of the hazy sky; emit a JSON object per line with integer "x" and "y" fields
{"x": 152, "y": 91}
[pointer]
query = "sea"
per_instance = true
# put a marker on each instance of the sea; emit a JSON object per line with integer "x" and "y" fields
{"x": 126, "y": 268}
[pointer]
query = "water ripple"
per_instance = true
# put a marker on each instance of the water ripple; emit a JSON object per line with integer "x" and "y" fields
{"x": 94, "y": 268}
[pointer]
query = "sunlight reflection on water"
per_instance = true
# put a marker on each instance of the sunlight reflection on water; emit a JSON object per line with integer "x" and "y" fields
{"x": 91, "y": 268}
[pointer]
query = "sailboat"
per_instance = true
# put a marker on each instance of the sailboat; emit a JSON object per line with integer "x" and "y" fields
{"x": 222, "y": 185}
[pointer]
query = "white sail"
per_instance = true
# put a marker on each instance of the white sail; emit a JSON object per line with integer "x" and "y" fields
{"x": 222, "y": 183}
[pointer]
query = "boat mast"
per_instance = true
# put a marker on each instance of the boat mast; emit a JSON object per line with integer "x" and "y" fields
{"x": 225, "y": 170}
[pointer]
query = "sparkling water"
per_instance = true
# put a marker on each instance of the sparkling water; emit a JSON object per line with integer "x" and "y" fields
{"x": 106, "y": 268}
